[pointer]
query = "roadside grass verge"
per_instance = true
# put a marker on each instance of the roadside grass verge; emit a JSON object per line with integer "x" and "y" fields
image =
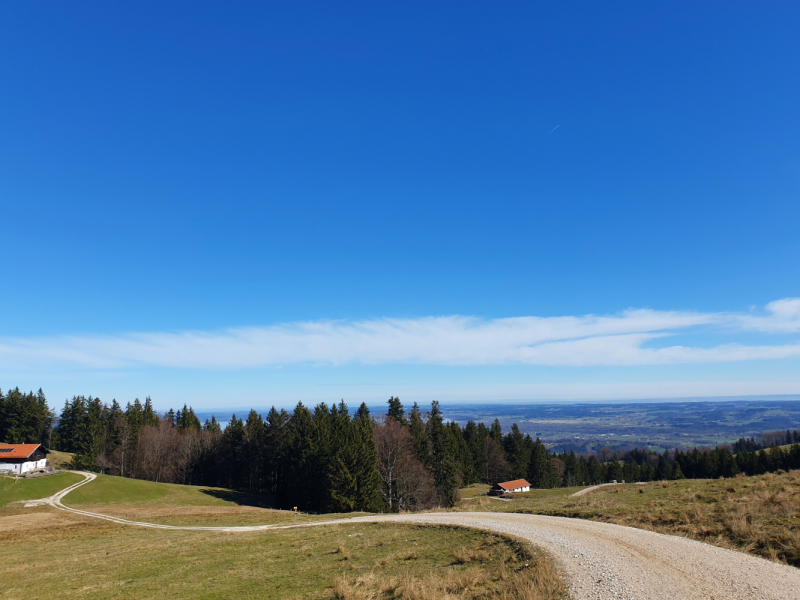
{"x": 759, "y": 515}
{"x": 97, "y": 559}
{"x": 12, "y": 490}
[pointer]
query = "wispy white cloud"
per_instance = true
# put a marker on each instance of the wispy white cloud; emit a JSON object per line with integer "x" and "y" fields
{"x": 783, "y": 316}
{"x": 620, "y": 339}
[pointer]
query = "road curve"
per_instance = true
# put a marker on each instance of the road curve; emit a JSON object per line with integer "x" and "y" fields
{"x": 587, "y": 490}
{"x": 600, "y": 560}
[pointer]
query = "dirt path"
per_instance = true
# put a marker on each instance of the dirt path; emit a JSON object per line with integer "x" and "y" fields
{"x": 585, "y": 491}
{"x": 601, "y": 560}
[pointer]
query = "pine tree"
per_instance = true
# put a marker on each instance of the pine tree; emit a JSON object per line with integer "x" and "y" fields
{"x": 396, "y": 411}
{"x": 212, "y": 425}
{"x": 252, "y": 448}
{"x": 516, "y": 452}
{"x": 475, "y": 438}
{"x": 663, "y": 470}
{"x": 442, "y": 456}
{"x": 496, "y": 433}
{"x": 417, "y": 430}
{"x": 342, "y": 480}
{"x": 541, "y": 474}
{"x": 149, "y": 415}
{"x": 301, "y": 454}
{"x": 277, "y": 459}
{"x": 186, "y": 419}
{"x": 368, "y": 483}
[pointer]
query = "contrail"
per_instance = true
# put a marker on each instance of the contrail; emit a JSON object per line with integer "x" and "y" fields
{"x": 553, "y": 129}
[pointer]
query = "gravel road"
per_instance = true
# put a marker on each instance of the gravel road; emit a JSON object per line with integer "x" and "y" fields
{"x": 600, "y": 560}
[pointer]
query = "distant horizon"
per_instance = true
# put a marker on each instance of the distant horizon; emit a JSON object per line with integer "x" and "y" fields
{"x": 499, "y": 403}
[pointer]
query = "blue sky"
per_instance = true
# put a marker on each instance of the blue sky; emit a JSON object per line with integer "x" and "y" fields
{"x": 253, "y": 204}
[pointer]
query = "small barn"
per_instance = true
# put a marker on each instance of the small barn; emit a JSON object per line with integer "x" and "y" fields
{"x": 19, "y": 459}
{"x": 508, "y": 487}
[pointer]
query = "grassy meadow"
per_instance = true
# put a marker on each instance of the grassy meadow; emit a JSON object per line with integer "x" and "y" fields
{"x": 69, "y": 558}
{"x": 15, "y": 490}
{"x": 172, "y": 504}
{"x": 759, "y": 515}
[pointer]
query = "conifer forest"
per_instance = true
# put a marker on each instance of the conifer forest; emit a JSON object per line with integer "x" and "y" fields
{"x": 332, "y": 459}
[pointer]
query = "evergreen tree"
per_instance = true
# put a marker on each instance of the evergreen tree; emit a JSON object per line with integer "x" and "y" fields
{"x": 24, "y": 418}
{"x": 301, "y": 455}
{"x": 541, "y": 474}
{"x": 277, "y": 460}
{"x": 517, "y": 454}
{"x": 417, "y": 429}
{"x": 396, "y": 411}
{"x": 149, "y": 415}
{"x": 186, "y": 419}
{"x": 663, "y": 470}
{"x": 368, "y": 483}
{"x": 496, "y": 432}
{"x": 442, "y": 456}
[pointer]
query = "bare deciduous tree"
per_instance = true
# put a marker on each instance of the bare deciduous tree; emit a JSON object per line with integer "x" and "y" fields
{"x": 407, "y": 485}
{"x": 158, "y": 452}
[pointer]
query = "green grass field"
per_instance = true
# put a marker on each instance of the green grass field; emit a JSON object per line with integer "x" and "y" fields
{"x": 117, "y": 490}
{"x": 12, "y": 490}
{"x": 172, "y": 504}
{"x": 49, "y": 553}
{"x": 753, "y": 514}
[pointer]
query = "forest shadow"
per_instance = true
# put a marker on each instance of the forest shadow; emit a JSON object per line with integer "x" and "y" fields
{"x": 256, "y": 499}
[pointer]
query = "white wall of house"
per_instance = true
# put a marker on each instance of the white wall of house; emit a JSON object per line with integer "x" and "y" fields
{"x": 24, "y": 467}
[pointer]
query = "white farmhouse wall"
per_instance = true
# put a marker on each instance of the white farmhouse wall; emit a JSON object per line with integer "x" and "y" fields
{"x": 31, "y": 465}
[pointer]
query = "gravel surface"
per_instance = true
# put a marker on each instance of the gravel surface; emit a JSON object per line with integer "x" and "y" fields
{"x": 601, "y": 561}
{"x": 607, "y": 561}
{"x": 585, "y": 491}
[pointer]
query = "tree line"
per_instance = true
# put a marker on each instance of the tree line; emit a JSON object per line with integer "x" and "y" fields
{"x": 327, "y": 459}
{"x": 25, "y": 418}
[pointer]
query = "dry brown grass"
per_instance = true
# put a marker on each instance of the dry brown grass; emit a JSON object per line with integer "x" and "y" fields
{"x": 517, "y": 572}
{"x": 759, "y": 515}
{"x": 539, "y": 582}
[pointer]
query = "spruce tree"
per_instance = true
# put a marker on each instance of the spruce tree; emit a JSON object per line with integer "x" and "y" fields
{"x": 417, "y": 430}
{"x": 396, "y": 411}
{"x": 301, "y": 455}
{"x": 663, "y": 470}
{"x": 496, "y": 432}
{"x": 442, "y": 456}
{"x": 368, "y": 483}
{"x": 541, "y": 474}
{"x": 212, "y": 425}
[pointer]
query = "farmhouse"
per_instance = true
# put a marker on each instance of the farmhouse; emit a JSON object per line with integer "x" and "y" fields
{"x": 22, "y": 458}
{"x": 518, "y": 485}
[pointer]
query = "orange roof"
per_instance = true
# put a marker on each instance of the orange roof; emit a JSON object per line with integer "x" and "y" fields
{"x": 512, "y": 485}
{"x": 17, "y": 450}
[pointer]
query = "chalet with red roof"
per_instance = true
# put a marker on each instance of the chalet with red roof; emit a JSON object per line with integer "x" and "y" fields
{"x": 19, "y": 459}
{"x": 508, "y": 487}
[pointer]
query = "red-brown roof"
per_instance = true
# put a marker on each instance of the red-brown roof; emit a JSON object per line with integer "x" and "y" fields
{"x": 512, "y": 485}
{"x": 17, "y": 450}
